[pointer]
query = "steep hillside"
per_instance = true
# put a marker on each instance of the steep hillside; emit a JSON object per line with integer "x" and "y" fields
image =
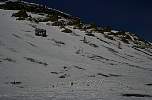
{"x": 72, "y": 61}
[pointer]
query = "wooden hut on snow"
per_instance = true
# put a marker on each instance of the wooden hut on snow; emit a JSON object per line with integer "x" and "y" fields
{"x": 40, "y": 32}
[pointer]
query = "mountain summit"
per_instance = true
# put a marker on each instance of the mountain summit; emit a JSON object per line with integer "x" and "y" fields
{"x": 46, "y": 54}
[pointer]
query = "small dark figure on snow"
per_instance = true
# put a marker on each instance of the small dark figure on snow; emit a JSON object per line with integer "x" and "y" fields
{"x": 84, "y": 40}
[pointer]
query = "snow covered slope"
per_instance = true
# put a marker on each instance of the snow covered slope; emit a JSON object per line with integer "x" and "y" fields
{"x": 69, "y": 66}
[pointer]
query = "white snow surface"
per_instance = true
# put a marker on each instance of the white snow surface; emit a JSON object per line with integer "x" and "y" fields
{"x": 43, "y": 68}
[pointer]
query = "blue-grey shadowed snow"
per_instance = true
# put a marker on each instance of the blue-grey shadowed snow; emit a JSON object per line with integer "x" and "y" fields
{"x": 129, "y": 15}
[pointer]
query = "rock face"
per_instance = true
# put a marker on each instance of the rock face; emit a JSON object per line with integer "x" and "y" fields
{"x": 83, "y": 64}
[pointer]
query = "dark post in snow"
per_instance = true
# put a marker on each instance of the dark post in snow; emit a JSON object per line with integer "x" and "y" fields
{"x": 119, "y": 45}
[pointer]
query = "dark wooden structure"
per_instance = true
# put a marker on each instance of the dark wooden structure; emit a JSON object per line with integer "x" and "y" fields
{"x": 40, "y": 32}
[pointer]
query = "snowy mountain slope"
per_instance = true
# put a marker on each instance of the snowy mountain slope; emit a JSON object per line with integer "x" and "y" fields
{"x": 65, "y": 66}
